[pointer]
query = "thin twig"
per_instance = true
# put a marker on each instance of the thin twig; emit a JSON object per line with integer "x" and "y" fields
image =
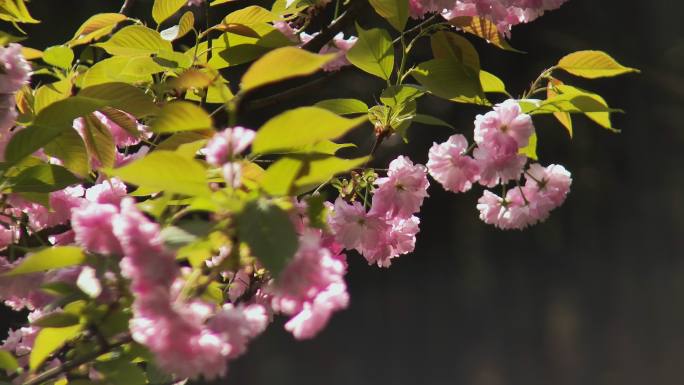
{"x": 126, "y": 7}
{"x": 327, "y": 34}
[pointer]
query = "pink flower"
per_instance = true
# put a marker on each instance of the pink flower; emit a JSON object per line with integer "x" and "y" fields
{"x": 401, "y": 239}
{"x": 311, "y": 287}
{"x": 402, "y": 192}
{"x": 238, "y": 325}
{"x": 61, "y": 204}
{"x": 232, "y": 174}
{"x": 449, "y": 165}
{"x": 93, "y": 227}
{"x": 553, "y": 182}
{"x": 110, "y": 191}
{"x": 354, "y": 228}
{"x": 15, "y": 70}
{"x": 499, "y": 160}
{"x": 339, "y": 46}
{"x": 491, "y": 208}
{"x": 506, "y": 118}
{"x": 228, "y": 143}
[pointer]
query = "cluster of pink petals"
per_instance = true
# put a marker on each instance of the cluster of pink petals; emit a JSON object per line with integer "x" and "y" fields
{"x": 545, "y": 189}
{"x": 222, "y": 149}
{"x": 189, "y": 338}
{"x": 449, "y": 165}
{"x": 311, "y": 287}
{"x": 389, "y": 228}
{"x": 15, "y": 72}
{"x": 503, "y": 13}
{"x": 339, "y": 45}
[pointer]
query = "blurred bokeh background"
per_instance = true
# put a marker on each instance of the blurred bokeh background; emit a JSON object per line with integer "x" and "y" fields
{"x": 593, "y": 296}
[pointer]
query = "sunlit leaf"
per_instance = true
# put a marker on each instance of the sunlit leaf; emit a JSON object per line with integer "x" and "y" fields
{"x": 563, "y": 117}
{"x": 99, "y": 141}
{"x": 446, "y": 45}
{"x": 281, "y": 64}
{"x": 373, "y": 52}
{"x": 530, "y": 150}
{"x": 321, "y": 169}
{"x": 135, "y": 40}
{"x": 181, "y": 116}
{"x": 394, "y": 11}
{"x": 431, "y": 120}
{"x": 297, "y": 128}
{"x": 127, "y": 69}
{"x": 344, "y": 106}
{"x": 71, "y": 150}
{"x": 59, "y": 56}
{"x": 48, "y": 341}
{"x": 8, "y": 362}
{"x": 56, "y": 320}
{"x": 593, "y": 64}
{"x": 450, "y": 80}
{"x": 491, "y": 83}
{"x": 484, "y": 28}
{"x": 165, "y": 171}
{"x": 280, "y": 176}
{"x": 48, "y": 259}
{"x": 163, "y": 9}
{"x": 42, "y": 178}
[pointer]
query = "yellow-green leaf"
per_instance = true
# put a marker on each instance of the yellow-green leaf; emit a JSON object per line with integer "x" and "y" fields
{"x": 593, "y": 64}
{"x": 42, "y": 178}
{"x": 48, "y": 259}
{"x": 71, "y": 150}
{"x": 8, "y": 362}
{"x": 530, "y": 150}
{"x": 484, "y": 28}
{"x": 181, "y": 116}
{"x": 163, "y": 9}
{"x": 449, "y": 79}
{"x": 447, "y": 45}
{"x": 373, "y": 52}
{"x": 281, "y": 64}
{"x": 300, "y": 127}
{"x": 166, "y": 171}
{"x": 280, "y": 176}
{"x": 126, "y": 69}
{"x": 185, "y": 25}
{"x": 394, "y": 11}
{"x": 249, "y": 15}
{"x": 59, "y": 56}
{"x": 344, "y": 106}
{"x": 48, "y": 341}
{"x": 99, "y": 141}
{"x": 491, "y": 83}
{"x": 95, "y": 28}
{"x": 135, "y": 40}
{"x": 321, "y": 169}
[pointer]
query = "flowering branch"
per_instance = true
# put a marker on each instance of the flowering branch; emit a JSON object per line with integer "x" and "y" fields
{"x": 320, "y": 40}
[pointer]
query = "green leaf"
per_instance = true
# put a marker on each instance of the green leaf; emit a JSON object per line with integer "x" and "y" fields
{"x": 399, "y": 95}
{"x": 99, "y": 141}
{"x": 181, "y": 116}
{"x": 57, "y": 320}
{"x": 126, "y": 69}
{"x": 269, "y": 233}
{"x": 59, "y": 56}
{"x": 71, "y": 150}
{"x": 563, "y": 117}
{"x": 43, "y": 178}
{"x": 163, "y": 9}
{"x": 8, "y": 362}
{"x": 135, "y": 40}
{"x": 250, "y": 15}
{"x": 593, "y": 64}
{"x": 373, "y": 52}
{"x": 96, "y": 27}
{"x": 50, "y": 93}
{"x": 601, "y": 118}
{"x": 394, "y": 11}
{"x": 166, "y": 171}
{"x": 343, "y": 106}
{"x": 431, "y": 120}
{"x": 185, "y": 25}
{"x": 15, "y": 11}
{"x": 121, "y": 371}
{"x": 280, "y": 176}
{"x": 450, "y": 80}
{"x": 450, "y": 45}
{"x": 281, "y": 64}
{"x": 48, "y": 341}
{"x": 530, "y": 150}
{"x": 321, "y": 169}
{"x": 300, "y": 127}
{"x": 122, "y": 96}
{"x": 491, "y": 83}
{"x": 48, "y": 259}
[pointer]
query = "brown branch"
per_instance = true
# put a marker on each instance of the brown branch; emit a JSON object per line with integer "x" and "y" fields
{"x": 320, "y": 40}
{"x": 126, "y": 7}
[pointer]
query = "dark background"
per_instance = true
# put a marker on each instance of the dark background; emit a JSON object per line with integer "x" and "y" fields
{"x": 593, "y": 296}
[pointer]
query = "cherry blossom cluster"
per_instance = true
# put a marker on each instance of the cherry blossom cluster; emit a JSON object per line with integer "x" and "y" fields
{"x": 503, "y": 13}
{"x": 339, "y": 45}
{"x": 500, "y": 135}
{"x": 15, "y": 72}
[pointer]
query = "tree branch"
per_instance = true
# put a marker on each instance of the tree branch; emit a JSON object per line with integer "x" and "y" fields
{"x": 126, "y": 7}
{"x": 320, "y": 40}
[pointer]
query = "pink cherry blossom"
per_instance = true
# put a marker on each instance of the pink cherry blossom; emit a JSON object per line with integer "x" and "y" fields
{"x": 110, "y": 191}
{"x": 15, "y": 72}
{"x": 499, "y": 160}
{"x": 449, "y": 165}
{"x": 401, "y": 239}
{"x": 93, "y": 227}
{"x": 402, "y": 192}
{"x": 311, "y": 287}
{"x": 238, "y": 325}
{"x": 354, "y": 228}
{"x": 339, "y": 45}
{"x": 553, "y": 182}
{"x": 507, "y": 118}
{"x": 224, "y": 145}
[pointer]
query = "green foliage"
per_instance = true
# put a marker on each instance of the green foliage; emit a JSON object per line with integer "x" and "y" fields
{"x": 135, "y": 40}
{"x": 163, "y": 9}
{"x": 57, "y": 320}
{"x": 449, "y": 79}
{"x": 394, "y": 11}
{"x": 49, "y": 340}
{"x": 95, "y": 28}
{"x": 42, "y": 178}
{"x": 165, "y": 171}
{"x": 344, "y": 106}
{"x": 181, "y": 116}
{"x": 593, "y": 64}
{"x": 373, "y": 52}
{"x": 280, "y": 64}
{"x": 59, "y": 56}
{"x": 8, "y": 362}
{"x": 49, "y": 258}
{"x": 122, "y": 371}
{"x": 301, "y": 127}
{"x": 269, "y": 233}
